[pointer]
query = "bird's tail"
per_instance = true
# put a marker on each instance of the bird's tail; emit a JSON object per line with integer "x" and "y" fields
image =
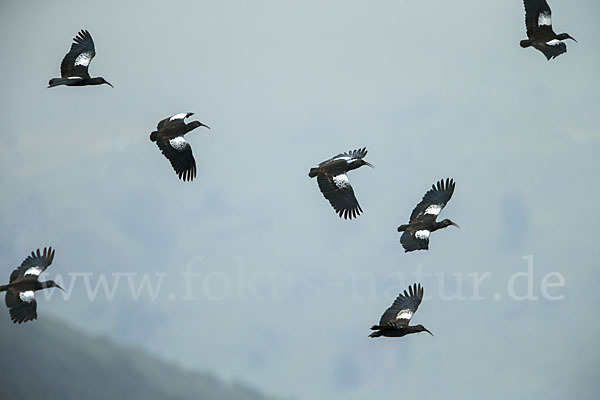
{"x": 56, "y": 81}
{"x": 375, "y": 334}
{"x": 313, "y": 172}
{"x": 525, "y": 43}
{"x": 402, "y": 228}
{"x": 3, "y": 288}
{"x": 153, "y": 136}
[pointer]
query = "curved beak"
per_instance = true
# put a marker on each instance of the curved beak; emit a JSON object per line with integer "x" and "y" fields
{"x": 206, "y": 126}
{"x": 572, "y": 38}
{"x": 58, "y": 286}
{"x": 456, "y": 225}
{"x": 427, "y": 330}
{"x": 109, "y": 84}
{"x": 369, "y": 164}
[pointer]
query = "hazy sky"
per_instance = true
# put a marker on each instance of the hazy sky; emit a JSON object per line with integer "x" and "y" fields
{"x": 286, "y": 290}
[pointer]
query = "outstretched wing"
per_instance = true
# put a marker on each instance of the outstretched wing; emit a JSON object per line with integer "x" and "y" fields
{"x": 538, "y": 18}
{"x": 552, "y": 48}
{"x": 179, "y": 153}
{"x": 339, "y": 192}
{"x": 174, "y": 122}
{"x": 434, "y": 200}
{"x": 359, "y": 153}
{"x": 403, "y": 308}
{"x": 78, "y": 59}
{"x": 21, "y": 305}
{"x": 417, "y": 240}
{"x": 34, "y": 264}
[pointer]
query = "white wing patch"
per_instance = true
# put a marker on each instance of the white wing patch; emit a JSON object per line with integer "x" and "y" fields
{"x": 553, "y": 42}
{"x": 83, "y": 59}
{"x": 33, "y": 271}
{"x": 75, "y": 77}
{"x": 544, "y": 19}
{"x": 433, "y": 209}
{"x": 178, "y": 116}
{"x": 27, "y": 296}
{"x": 178, "y": 143}
{"x": 404, "y": 314}
{"x": 423, "y": 234}
{"x": 341, "y": 181}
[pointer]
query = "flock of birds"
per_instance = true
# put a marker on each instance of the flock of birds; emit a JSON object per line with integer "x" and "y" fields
{"x": 331, "y": 177}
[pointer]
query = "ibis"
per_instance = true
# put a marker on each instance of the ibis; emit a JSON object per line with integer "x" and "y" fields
{"x": 74, "y": 67}
{"x": 395, "y": 320}
{"x": 24, "y": 282}
{"x": 169, "y": 139}
{"x": 423, "y": 218}
{"x": 538, "y": 21}
{"x": 334, "y": 184}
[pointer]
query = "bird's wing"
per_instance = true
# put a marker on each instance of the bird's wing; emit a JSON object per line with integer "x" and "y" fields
{"x": 358, "y": 153}
{"x": 34, "y": 264}
{"x": 339, "y": 192}
{"x": 552, "y": 49}
{"x": 78, "y": 59}
{"x": 435, "y": 199}
{"x": 179, "y": 153}
{"x": 403, "y": 308}
{"x": 21, "y": 305}
{"x": 418, "y": 240}
{"x": 173, "y": 121}
{"x": 538, "y": 17}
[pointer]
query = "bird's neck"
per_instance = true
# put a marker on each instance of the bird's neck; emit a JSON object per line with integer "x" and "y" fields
{"x": 438, "y": 225}
{"x": 412, "y": 329}
{"x": 45, "y": 285}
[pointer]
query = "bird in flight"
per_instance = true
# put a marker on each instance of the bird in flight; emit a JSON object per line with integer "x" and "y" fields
{"x": 423, "y": 218}
{"x": 74, "y": 67}
{"x": 538, "y": 20}
{"x": 334, "y": 184}
{"x": 394, "y": 321}
{"x": 169, "y": 139}
{"x": 24, "y": 282}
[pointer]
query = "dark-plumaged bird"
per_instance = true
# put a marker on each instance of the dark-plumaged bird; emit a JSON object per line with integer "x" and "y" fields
{"x": 538, "y": 20}
{"x": 423, "y": 218}
{"x": 24, "y": 282}
{"x": 334, "y": 183}
{"x": 169, "y": 139}
{"x": 74, "y": 67}
{"x": 394, "y": 321}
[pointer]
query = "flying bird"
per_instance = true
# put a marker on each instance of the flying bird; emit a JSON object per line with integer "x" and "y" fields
{"x": 74, "y": 67}
{"x": 423, "y": 218}
{"x": 394, "y": 321}
{"x": 169, "y": 139}
{"x": 23, "y": 283}
{"x": 334, "y": 183}
{"x": 538, "y": 20}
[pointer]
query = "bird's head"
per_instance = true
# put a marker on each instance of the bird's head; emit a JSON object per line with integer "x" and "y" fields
{"x": 564, "y": 36}
{"x": 446, "y": 222}
{"x": 50, "y": 284}
{"x": 195, "y": 124}
{"x": 421, "y": 328}
{"x": 359, "y": 162}
{"x": 101, "y": 81}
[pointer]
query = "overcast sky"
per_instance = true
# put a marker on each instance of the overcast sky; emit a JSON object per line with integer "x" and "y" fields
{"x": 286, "y": 290}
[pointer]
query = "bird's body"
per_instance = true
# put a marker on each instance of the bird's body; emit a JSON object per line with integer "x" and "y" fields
{"x": 74, "y": 66}
{"x": 169, "y": 139}
{"x": 24, "y": 282}
{"x": 394, "y": 321}
{"x": 538, "y": 21}
{"x": 334, "y": 184}
{"x": 423, "y": 218}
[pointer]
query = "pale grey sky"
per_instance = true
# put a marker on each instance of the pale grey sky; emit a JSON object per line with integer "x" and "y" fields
{"x": 433, "y": 90}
